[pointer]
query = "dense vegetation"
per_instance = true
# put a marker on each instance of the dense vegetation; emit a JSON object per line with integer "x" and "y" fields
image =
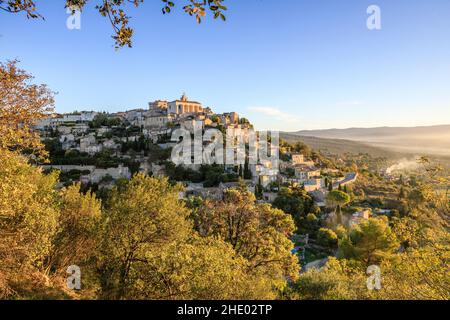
{"x": 210, "y": 175}
{"x": 141, "y": 244}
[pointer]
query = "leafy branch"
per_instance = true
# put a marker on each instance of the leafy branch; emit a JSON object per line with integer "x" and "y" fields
{"x": 114, "y": 11}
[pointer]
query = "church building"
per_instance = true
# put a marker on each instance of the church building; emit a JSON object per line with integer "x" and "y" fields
{"x": 184, "y": 106}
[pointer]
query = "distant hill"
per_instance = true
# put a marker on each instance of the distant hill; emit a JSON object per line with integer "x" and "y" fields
{"x": 433, "y": 140}
{"x": 341, "y": 146}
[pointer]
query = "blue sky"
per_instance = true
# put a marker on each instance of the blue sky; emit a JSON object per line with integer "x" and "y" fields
{"x": 286, "y": 65}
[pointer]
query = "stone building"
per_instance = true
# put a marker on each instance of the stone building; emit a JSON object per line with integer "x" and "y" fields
{"x": 156, "y": 121}
{"x": 304, "y": 173}
{"x": 299, "y": 159}
{"x": 184, "y": 106}
{"x": 158, "y": 105}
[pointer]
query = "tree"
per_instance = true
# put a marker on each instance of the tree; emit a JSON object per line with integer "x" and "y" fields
{"x": 302, "y": 148}
{"x": 370, "y": 242}
{"x": 247, "y": 174}
{"x": 143, "y": 217}
{"x": 259, "y": 189}
{"x": 99, "y": 120}
{"x": 309, "y": 224}
{"x": 257, "y": 232}
{"x": 417, "y": 196}
{"x": 295, "y": 201}
{"x": 201, "y": 268}
{"x": 327, "y": 237}
{"x": 419, "y": 271}
{"x": 150, "y": 251}
{"x": 337, "y": 280}
{"x": 28, "y": 209}
{"x": 244, "y": 121}
{"x": 77, "y": 238}
{"x": 402, "y": 193}
{"x": 142, "y": 247}
{"x": 21, "y": 105}
{"x": 114, "y": 11}
{"x": 28, "y": 224}
{"x": 337, "y": 199}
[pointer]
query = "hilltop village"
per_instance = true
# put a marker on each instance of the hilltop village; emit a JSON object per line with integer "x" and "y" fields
{"x": 100, "y": 148}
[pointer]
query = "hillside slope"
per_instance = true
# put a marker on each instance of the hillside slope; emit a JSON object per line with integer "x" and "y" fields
{"x": 423, "y": 140}
{"x": 341, "y": 146}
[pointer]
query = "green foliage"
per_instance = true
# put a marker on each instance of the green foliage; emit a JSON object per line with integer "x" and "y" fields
{"x": 72, "y": 175}
{"x": 28, "y": 215}
{"x": 244, "y": 121}
{"x": 338, "y": 280}
{"x": 327, "y": 237}
{"x": 302, "y": 148}
{"x": 143, "y": 217}
{"x": 149, "y": 251}
{"x": 114, "y": 10}
{"x": 200, "y": 268}
{"x": 247, "y": 173}
{"x": 370, "y": 242}
{"x": 295, "y": 201}
{"x": 419, "y": 271}
{"x": 157, "y": 155}
{"x": 258, "y": 232}
{"x": 210, "y": 175}
{"x": 337, "y": 198}
{"x": 309, "y": 225}
{"x": 102, "y": 119}
{"x": 104, "y": 159}
{"x": 28, "y": 219}
{"x": 259, "y": 189}
{"x": 77, "y": 238}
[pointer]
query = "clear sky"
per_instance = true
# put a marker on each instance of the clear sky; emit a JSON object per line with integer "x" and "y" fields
{"x": 286, "y": 65}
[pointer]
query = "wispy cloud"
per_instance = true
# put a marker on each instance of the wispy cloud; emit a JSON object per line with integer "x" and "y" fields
{"x": 275, "y": 113}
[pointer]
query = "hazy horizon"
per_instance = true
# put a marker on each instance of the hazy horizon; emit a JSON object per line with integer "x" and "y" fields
{"x": 420, "y": 139}
{"x": 378, "y": 127}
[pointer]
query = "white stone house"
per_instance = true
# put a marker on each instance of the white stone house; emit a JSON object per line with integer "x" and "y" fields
{"x": 299, "y": 159}
{"x": 110, "y": 144}
{"x": 102, "y": 130}
{"x": 66, "y": 138}
{"x": 156, "y": 121}
{"x": 80, "y": 128}
{"x": 305, "y": 173}
{"x": 64, "y": 129}
{"x": 314, "y": 184}
{"x": 89, "y": 144}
